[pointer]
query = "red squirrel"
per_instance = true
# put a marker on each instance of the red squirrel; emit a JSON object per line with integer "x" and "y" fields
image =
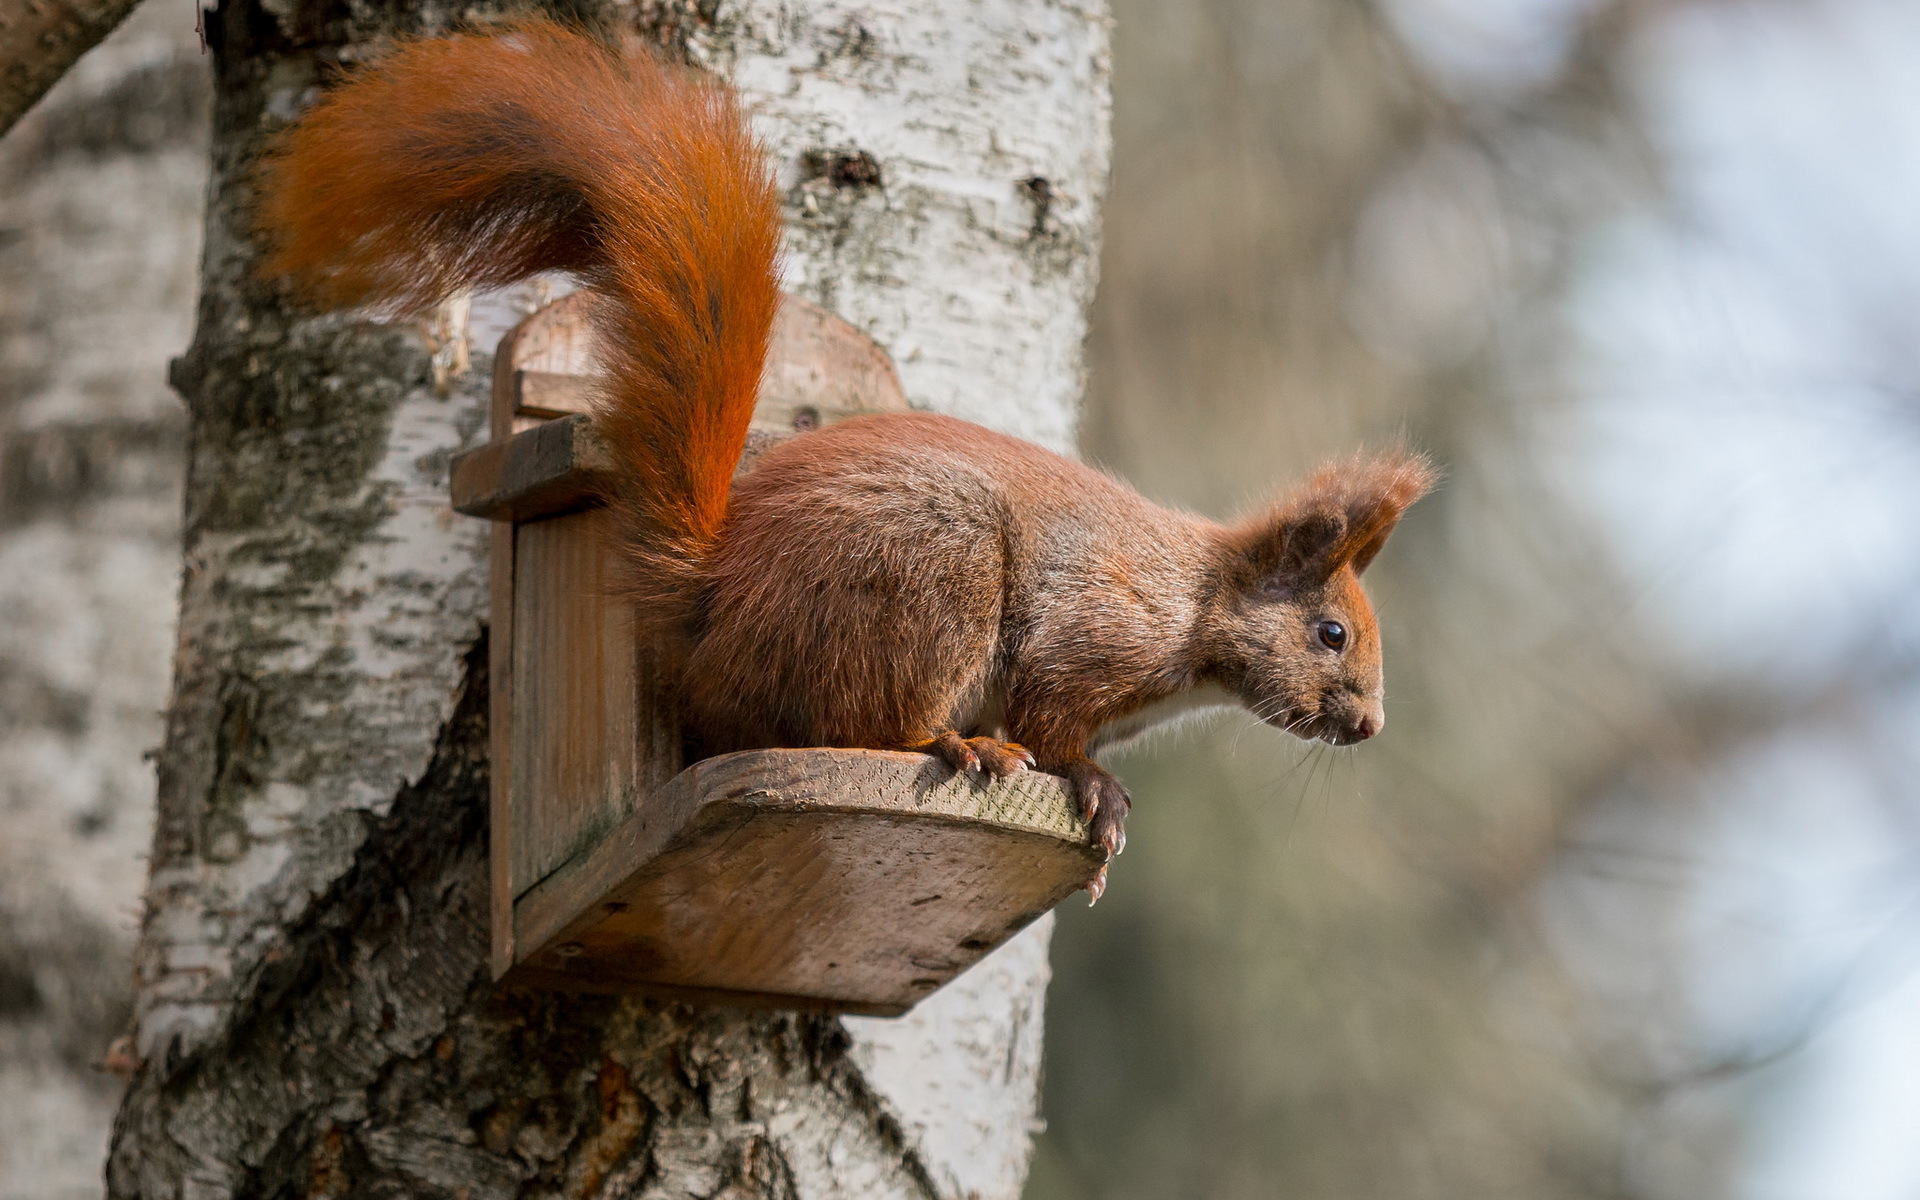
{"x": 898, "y": 582}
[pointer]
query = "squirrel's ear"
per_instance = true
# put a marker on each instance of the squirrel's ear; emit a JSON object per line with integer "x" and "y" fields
{"x": 1339, "y": 518}
{"x": 1293, "y": 546}
{"x": 1374, "y": 492}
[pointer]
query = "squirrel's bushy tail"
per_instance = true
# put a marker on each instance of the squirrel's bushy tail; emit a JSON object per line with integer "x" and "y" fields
{"x": 475, "y": 160}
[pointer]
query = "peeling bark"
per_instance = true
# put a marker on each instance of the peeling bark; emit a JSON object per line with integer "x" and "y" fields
{"x": 313, "y": 1007}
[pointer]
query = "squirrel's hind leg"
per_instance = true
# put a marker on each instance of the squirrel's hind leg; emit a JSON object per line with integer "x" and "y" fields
{"x": 1104, "y": 802}
{"x": 1059, "y": 736}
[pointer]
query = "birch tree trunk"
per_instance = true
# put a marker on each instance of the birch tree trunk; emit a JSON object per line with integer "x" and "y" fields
{"x": 313, "y": 1014}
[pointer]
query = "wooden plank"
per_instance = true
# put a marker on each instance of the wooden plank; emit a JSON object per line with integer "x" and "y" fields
{"x": 555, "y": 341}
{"x": 576, "y": 730}
{"x": 500, "y": 748}
{"x": 855, "y": 878}
{"x": 658, "y": 749}
{"x": 820, "y": 369}
{"x": 556, "y": 467}
{"x": 545, "y": 394}
{"x": 553, "y": 468}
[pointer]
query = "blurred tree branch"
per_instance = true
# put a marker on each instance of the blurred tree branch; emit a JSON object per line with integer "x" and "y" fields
{"x": 40, "y": 39}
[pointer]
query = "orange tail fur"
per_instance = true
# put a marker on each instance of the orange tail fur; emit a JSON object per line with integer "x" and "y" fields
{"x": 476, "y": 160}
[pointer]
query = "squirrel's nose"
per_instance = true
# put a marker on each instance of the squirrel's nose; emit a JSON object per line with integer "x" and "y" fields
{"x": 1369, "y": 720}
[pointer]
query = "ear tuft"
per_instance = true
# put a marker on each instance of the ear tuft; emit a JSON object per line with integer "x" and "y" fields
{"x": 1340, "y": 517}
{"x": 1373, "y": 492}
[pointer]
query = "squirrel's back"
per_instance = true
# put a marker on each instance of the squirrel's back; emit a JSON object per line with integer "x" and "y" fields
{"x": 890, "y": 568}
{"x": 477, "y": 160}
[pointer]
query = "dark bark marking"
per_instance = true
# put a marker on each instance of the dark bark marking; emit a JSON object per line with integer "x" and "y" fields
{"x": 843, "y": 169}
{"x": 1038, "y": 190}
{"x": 239, "y": 750}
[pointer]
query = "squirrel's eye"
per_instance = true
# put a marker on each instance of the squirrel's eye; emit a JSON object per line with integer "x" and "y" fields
{"x": 1333, "y": 635}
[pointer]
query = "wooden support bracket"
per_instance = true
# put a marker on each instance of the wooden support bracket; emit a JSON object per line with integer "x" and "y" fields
{"x": 850, "y": 880}
{"x": 558, "y": 466}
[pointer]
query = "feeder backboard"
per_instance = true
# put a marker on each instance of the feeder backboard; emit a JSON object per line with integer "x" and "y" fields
{"x": 856, "y": 880}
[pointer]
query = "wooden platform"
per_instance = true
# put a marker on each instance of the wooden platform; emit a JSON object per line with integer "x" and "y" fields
{"x": 859, "y": 880}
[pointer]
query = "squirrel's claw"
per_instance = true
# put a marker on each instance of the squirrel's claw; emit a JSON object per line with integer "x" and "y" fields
{"x": 1097, "y": 886}
{"x": 1104, "y": 805}
{"x": 997, "y": 758}
{"x": 1001, "y": 759}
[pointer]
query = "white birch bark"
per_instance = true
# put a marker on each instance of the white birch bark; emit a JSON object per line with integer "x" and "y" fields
{"x": 312, "y": 1008}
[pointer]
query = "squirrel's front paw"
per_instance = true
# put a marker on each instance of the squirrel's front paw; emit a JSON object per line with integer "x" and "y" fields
{"x": 997, "y": 758}
{"x": 1104, "y": 804}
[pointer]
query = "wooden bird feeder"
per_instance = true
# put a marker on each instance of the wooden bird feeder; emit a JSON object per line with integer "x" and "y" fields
{"x": 851, "y": 880}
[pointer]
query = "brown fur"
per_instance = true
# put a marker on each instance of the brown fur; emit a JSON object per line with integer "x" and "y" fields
{"x": 994, "y": 587}
{"x": 905, "y": 581}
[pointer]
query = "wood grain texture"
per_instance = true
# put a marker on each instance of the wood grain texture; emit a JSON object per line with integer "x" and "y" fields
{"x": 547, "y": 395}
{"x": 854, "y": 879}
{"x": 500, "y": 949}
{"x": 500, "y": 727}
{"x": 557, "y": 340}
{"x": 820, "y": 370}
{"x": 554, "y": 342}
{"x": 546, "y": 459}
{"x": 577, "y": 744}
{"x": 555, "y": 467}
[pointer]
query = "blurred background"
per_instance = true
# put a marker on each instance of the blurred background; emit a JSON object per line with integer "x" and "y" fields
{"x": 1625, "y": 903}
